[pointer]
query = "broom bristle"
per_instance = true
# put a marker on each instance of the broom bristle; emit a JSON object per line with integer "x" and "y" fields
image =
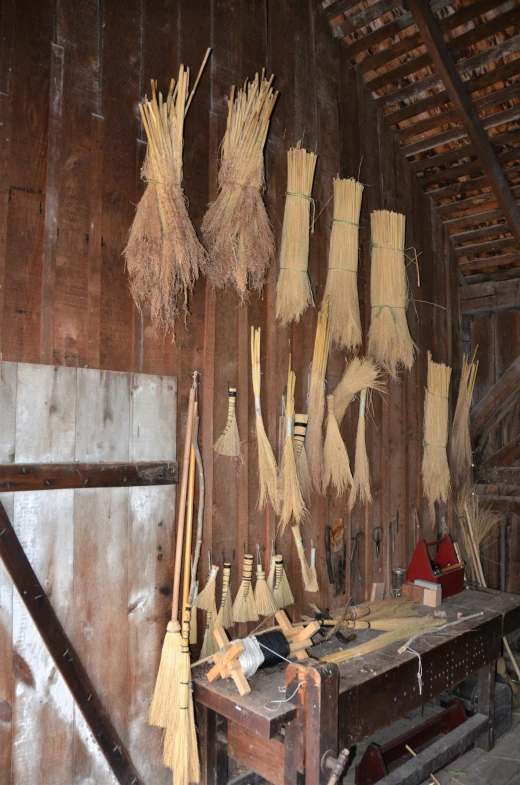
{"x": 209, "y": 644}
{"x": 300, "y": 455}
{"x": 165, "y": 703}
{"x": 337, "y": 465}
{"x": 341, "y": 287}
{"x": 206, "y": 599}
{"x": 361, "y": 373}
{"x": 460, "y": 442}
{"x": 361, "y": 481}
{"x": 314, "y": 438}
{"x": 435, "y": 469}
{"x": 267, "y": 467}
{"x": 225, "y": 613}
{"x": 290, "y": 493}
{"x": 228, "y": 443}
{"x": 282, "y": 593}
{"x": 265, "y": 603}
{"x": 244, "y": 607}
{"x": 309, "y": 582}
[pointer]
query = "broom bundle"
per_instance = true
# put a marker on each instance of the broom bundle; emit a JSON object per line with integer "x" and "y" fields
{"x": 314, "y": 438}
{"x": 209, "y": 644}
{"x": 360, "y": 374}
{"x": 282, "y": 593}
{"x": 336, "y": 461}
{"x": 163, "y": 255}
{"x": 290, "y": 495}
{"x": 225, "y": 613}
{"x": 293, "y": 290}
{"x": 244, "y": 607}
{"x": 228, "y": 443}
{"x": 236, "y": 227}
{"x": 341, "y": 287}
{"x": 435, "y": 469}
{"x": 265, "y": 604}
{"x": 205, "y": 600}
{"x": 361, "y": 481}
{"x": 310, "y": 582}
{"x": 267, "y": 468}
{"x": 389, "y": 340}
{"x": 460, "y": 443}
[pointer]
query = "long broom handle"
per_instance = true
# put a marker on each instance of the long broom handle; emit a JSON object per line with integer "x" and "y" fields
{"x": 189, "y": 526}
{"x": 182, "y": 504}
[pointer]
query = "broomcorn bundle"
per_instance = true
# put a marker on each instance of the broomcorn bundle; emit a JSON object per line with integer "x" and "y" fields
{"x": 361, "y": 482}
{"x": 337, "y": 465}
{"x": 460, "y": 443}
{"x": 163, "y": 255}
{"x": 360, "y": 374}
{"x": 290, "y": 495}
{"x": 341, "y": 287}
{"x": 225, "y": 613}
{"x": 389, "y": 340}
{"x": 314, "y": 438}
{"x": 435, "y": 469}
{"x": 282, "y": 593}
{"x": 293, "y": 290}
{"x": 236, "y": 227}
{"x": 267, "y": 468}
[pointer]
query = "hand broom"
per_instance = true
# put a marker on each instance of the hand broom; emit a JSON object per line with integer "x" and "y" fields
{"x": 225, "y": 613}
{"x": 282, "y": 593}
{"x": 293, "y": 505}
{"x": 265, "y": 604}
{"x": 244, "y": 607}
{"x": 300, "y": 455}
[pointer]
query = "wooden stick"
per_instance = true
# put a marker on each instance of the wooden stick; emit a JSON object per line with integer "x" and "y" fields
{"x": 434, "y": 778}
{"x": 189, "y": 522}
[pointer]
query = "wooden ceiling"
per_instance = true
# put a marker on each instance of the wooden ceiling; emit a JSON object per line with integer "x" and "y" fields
{"x": 446, "y": 75}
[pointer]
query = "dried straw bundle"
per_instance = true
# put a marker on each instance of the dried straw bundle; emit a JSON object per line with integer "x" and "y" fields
{"x": 282, "y": 593}
{"x": 361, "y": 482}
{"x": 341, "y": 287}
{"x": 206, "y": 598}
{"x": 163, "y": 255}
{"x": 478, "y": 522}
{"x": 314, "y": 438}
{"x": 290, "y": 495}
{"x": 310, "y": 582}
{"x": 361, "y": 373}
{"x": 244, "y": 607}
{"x": 267, "y": 468}
{"x": 225, "y": 613}
{"x": 300, "y": 455}
{"x": 209, "y": 644}
{"x": 389, "y": 340}
{"x": 293, "y": 290}
{"x": 435, "y": 469}
{"x": 460, "y": 443}
{"x": 236, "y": 227}
{"x": 265, "y": 602}
{"x": 228, "y": 443}
{"x": 337, "y": 464}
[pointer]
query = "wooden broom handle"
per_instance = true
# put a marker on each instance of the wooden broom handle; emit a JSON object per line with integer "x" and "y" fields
{"x": 189, "y": 524}
{"x": 182, "y": 504}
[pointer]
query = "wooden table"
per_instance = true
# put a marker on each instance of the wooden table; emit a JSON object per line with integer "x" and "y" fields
{"x": 328, "y": 707}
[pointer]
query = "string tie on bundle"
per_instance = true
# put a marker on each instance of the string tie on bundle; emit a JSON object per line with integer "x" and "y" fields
{"x": 391, "y": 308}
{"x": 309, "y": 199}
{"x": 419, "y": 669}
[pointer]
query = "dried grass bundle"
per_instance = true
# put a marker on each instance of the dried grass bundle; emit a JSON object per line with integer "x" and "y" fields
{"x": 228, "y": 443}
{"x": 282, "y": 593}
{"x": 206, "y": 598}
{"x": 293, "y": 290}
{"x": 244, "y": 607}
{"x": 310, "y": 582}
{"x": 389, "y": 340}
{"x": 360, "y": 374}
{"x": 290, "y": 495}
{"x": 361, "y": 482}
{"x": 341, "y": 287}
{"x": 314, "y": 438}
{"x": 478, "y": 522}
{"x": 435, "y": 469}
{"x": 225, "y": 612}
{"x": 336, "y": 461}
{"x": 265, "y": 602}
{"x": 209, "y": 644}
{"x": 267, "y": 468}
{"x": 300, "y": 455}
{"x": 460, "y": 442}
{"x": 236, "y": 227}
{"x": 163, "y": 255}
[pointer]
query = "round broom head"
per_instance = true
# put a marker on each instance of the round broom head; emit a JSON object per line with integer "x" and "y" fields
{"x": 361, "y": 480}
{"x": 435, "y": 468}
{"x": 225, "y": 613}
{"x": 228, "y": 443}
{"x": 337, "y": 465}
{"x": 265, "y": 603}
{"x": 244, "y": 607}
{"x": 341, "y": 287}
{"x": 360, "y": 374}
{"x": 165, "y": 701}
{"x": 267, "y": 467}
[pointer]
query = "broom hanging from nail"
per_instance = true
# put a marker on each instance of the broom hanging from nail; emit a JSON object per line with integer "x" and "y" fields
{"x": 361, "y": 480}
{"x": 244, "y": 607}
{"x": 336, "y": 461}
{"x": 206, "y": 601}
{"x": 460, "y": 443}
{"x": 228, "y": 443}
{"x": 265, "y": 603}
{"x": 300, "y": 455}
{"x": 290, "y": 495}
{"x": 267, "y": 468}
{"x": 225, "y": 612}
{"x": 314, "y": 438}
{"x": 282, "y": 593}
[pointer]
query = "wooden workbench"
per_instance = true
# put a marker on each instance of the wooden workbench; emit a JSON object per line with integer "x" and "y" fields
{"x": 334, "y": 707}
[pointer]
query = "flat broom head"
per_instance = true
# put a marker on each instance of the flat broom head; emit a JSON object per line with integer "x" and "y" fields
{"x": 209, "y": 644}
{"x": 337, "y": 464}
{"x": 165, "y": 702}
{"x": 267, "y": 467}
{"x": 265, "y": 603}
{"x": 244, "y": 607}
{"x": 205, "y": 600}
{"x": 228, "y": 443}
{"x": 225, "y": 613}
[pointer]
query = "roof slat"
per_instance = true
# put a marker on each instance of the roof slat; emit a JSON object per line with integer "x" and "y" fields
{"x": 463, "y": 152}
{"x": 338, "y": 7}
{"x": 490, "y": 261}
{"x": 483, "y": 233}
{"x": 473, "y": 218}
{"x": 489, "y": 247}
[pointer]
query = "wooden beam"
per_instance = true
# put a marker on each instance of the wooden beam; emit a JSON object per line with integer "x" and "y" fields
{"x": 500, "y": 474}
{"x": 481, "y": 233}
{"x": 505, "y": 456}
{"x": 471, "y": 202}
{"x": 496, "y": 403}
{"x": 490, "y": 246}
{"x": 492, "y": 297}
{"x": 458, "y": 154}
{"x": 54, "y": 476}
{"x": 473, "y": 218}
{"x": 445, "y": 66}
{"x": 490, "y": 261}
{"x": 509, "y": 505}
{"x": 338, "y": 7}
{"x": 64, "y": 655}
{"x": 509, "y": 274}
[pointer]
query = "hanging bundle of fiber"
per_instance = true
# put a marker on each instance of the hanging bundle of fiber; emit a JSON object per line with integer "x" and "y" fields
{"x": 300, "y": 455}
{"x": 225, "y": 612}
{"x": 460, "y": 442}
{"x": 314, "y": 574}
{"x": 361, "y": 481}
{"x": 341, "y": 287}
{"x": 435, "y": 469}
{"x": 314, "y": 438}
{"x": 228, "y": 443}
{"x": 389, "y": 340}
{"x": 244, "y": 607}
{"x": 282, "y": 593}
{"x": 265, "y": 604}
{"x": 310, "y": 582}
{"x": 293, "y": 290}
{"x": 336, "y": 461}
{"x": 163, "y": 255}
{"x": 267, "y": 468}
{"x": 209, "y": 644}
{"x": 206, "y": 601}
{"x": 236, "y": 227}
{"x": 290, "y": 495}
{"x": 360, "y": 374}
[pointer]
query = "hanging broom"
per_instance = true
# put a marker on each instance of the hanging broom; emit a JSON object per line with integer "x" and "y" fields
{"x": 244, "y": 607}
{"x": 310, "y": 583}
{"x": 209, "y": 644}
{"x": 236, "y": 227}
{"x": 389, "y": 340}
{"x": 314, "y": 574}
{"x": 225, "y": 613}
{"x": 282, "y": 593}
{"x": 163, "y": 255}
{"x": 272, "y": 568}
{"x": 314, "y": 438}
{"x": 337, "y": 465}
{"x": 265, "y": 604}
{"x": 361, "y": 481}
{"x": 341, "y": 287}
{"x": 267, "y": 468}
{"x": 300, "y": 456}
{"x": 361, "y": 373}
{"x": 293, "y": 505}
{"x": 206, "y": 598}
{"x": 293, "y": 290}
{"x": 460, "y": 442}
{"x": 435, "y": 469}
{"x": 228, "y": 443}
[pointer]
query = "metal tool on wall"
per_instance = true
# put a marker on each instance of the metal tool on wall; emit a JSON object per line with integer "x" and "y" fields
{"x": 336, "y": 555}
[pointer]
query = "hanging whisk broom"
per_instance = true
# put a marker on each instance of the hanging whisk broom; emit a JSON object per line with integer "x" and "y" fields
{"x": 341, "y": 287}
{"x": 314, "y": 438}
{"x": 300, "y": 456}
{"x": 310, "y": 583}
{"x": 267, "y": 468}
{"x": 163, "y": 255}
{"x": 244, "y": 607}
{"x": 236, "y": 227}
{"x": 206, "y": 598}
{"x": 265, "y": 604}
{"x": 293, "y": 290}
{"x": 282, "y": 593}
{"x": 389, "y": 340}
{"x": 361, "y": 481}
{"x": 293, "y": 505}
{"x": 272, "y": 568}
{"x": 337, "y": 464}
{"x": 209, "y": 644}
{"x": 314, "y": 574}
{"x": 361, "y": 373}
{"x": 460, "y": 443}
{"x": 435, "y": 469}
{"x": 225, "y": 613}
{"x": 228, "y": 443}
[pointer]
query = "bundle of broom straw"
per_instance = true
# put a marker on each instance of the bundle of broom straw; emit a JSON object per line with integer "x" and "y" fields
{"x": 290, "y": 495}
{"x": 337, "y": 464}
{"x": 341, "y": 287}
{"x": 310, "y": 582}
{"x": 293, "y": 290}
{"x": 316, "y": 409}
{"x": 228, "y": 443}
{"x": 360, "y": 374}
{"x": 267, "y": 468}
{"x": 361, "y": 481}
{"x": 460, "y": 443}
{"x": 300, "y": 455}
{"x": 282, "y": 593}
{"x": 236, "y": 227}
{"x": 435, "y": 469}
{"x": 163, "y": 255}
{"x": 389, "y": 340}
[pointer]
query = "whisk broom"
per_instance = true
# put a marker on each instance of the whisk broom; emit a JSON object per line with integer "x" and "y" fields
{"x": 290, "y": 495}
{"x": 310, "y": 583}
{"x": 435, "y": 469}
{"x": 267, "y": 468}
{"x": 228, "y": 443}
{"x": 300, "y": 456}
{"x": 337, "y": 464}
{"x": 314, "y": 438}
{"x": 282, "y": 593}
{"x": 225, "y": 613}
{"x": 244, "y": 607}
{"x": 265, "y": 604}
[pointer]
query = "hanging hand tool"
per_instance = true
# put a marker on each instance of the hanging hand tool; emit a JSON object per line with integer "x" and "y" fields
{"x": 354, "y": 557}
{"x": 338, "y": 550}
{"x": 328, "y": 554}
{"x": 377, "y": 536}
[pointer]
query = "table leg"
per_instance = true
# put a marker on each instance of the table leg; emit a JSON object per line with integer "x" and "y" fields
{"x": 486, "y": 704}
{"x": 294, "y": 743}
{"x": 214, "y": 763}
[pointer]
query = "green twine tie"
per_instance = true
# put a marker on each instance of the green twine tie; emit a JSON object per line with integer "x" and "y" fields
{"x": 309, "y": 199}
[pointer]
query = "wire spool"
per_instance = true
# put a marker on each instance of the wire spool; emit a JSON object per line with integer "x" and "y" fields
{"x": 263, "y": 651}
